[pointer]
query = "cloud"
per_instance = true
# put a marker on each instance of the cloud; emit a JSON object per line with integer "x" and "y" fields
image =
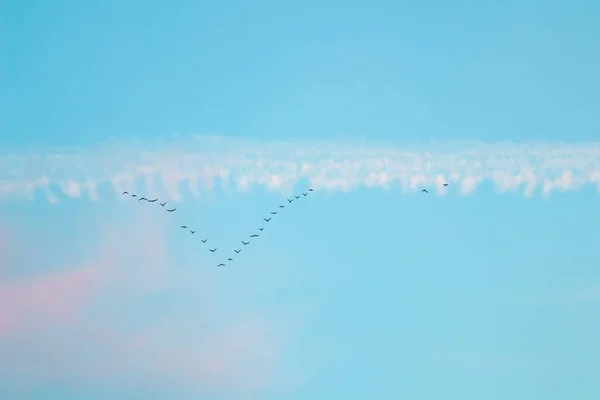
{"x": 199, "y": 162}
{"x": 106, "y": 322}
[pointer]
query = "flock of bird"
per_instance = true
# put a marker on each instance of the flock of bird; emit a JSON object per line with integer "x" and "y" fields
{"x": 204, "y": 240}
{"x": 253, "y": 236}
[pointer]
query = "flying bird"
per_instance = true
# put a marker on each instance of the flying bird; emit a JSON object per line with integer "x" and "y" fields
{"x": 183, "y": 226}
{"x": 267, "y": 219}
{"x": 192, "y": 232}
{"x": 171, "y": 210}
{"x": 125, "y": 192}
{"x": 220, "y": 265}
{"x": 281, "y": 206}
{"x": 290, "y": 200}
{"x": 311, "y": 190}
{"x": 134, "y": 195}
{"x": 245, "y": 243}
{"x": 253, "y": 235}
{"x": 304, "y": 194}
{"x": 163, "y": 204}
{"x": 274, "y": 212}
{"x": 261, "y": 229}
{"x": 445, "y": 184}
{"x": 152, "y": 201}
{"x": 230, "y": 259}
{"x": 297, "y": 197}
{"x": 238, "y": 251}
{"x": 424, "y": 191}
{"x": 142, "y": 198}
{"x": 213, "y": 250}
{"x": 203, "y": 240}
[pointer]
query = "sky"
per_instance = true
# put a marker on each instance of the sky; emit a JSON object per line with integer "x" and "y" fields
{"x": 363, "y": 288}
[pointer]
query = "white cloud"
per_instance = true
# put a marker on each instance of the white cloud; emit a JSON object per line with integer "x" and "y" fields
{"x": 198, "y": 162}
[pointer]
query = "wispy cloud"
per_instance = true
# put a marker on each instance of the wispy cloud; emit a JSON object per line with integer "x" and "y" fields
{"x": 201, "y": 161}
{"x": 83, "y": 325}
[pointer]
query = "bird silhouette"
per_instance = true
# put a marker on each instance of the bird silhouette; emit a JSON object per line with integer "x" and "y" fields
{"x": 125, "y": 192}
{"x": 273, "y": 212}
{"x": 134, "y": 195}
{"x": 304, "y": 194}
{"x": 311, "y": 190}
{"x": 230, "y": 259}
{"x": 245, "y": 243}
{"x": 290, "y": 200}
{"x": 445, "y": 184}
{"x": 203, "y": 240}
{"x": 142, "y": 198}
{"x": 152, "y": 201}
{"x": 238, "y": 251}
{"x": 192, "y": 232}
{"x": 261, "y": 229}
{"x": 220, "y": 265}
{"x": 183, "y": 227}
{"x": 163, "y": 204}
{"x": 171, "y": 210}
{"x": 212, "y": 250}
{"x": 267, "y": 219}
{"x": 297, "y": 197}
{"x": 253, "y": 235}
{"x": 424, "y": 191}
{"x": 281, "y": 206}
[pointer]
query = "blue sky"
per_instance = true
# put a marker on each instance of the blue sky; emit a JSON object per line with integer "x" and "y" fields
{"x": 363, "y": 289}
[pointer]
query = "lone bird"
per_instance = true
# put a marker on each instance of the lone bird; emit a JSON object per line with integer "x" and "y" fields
{"x": 261, "y": 229}
{"x": 281, "y": 206}
{"x": 152, "y": 201}
{"x": 203, "y": 240}
{"x": 311, "y": 190}
{"x": 445, "y": 184}
{"x": 213, "y": 250}
{"x": 424, "y": 191}
{"x": 192, "y": 232}
{"x": 230, "y": 259}
{"x": 253, "y": 235}
{"x": 183, "y": 227}
{"x": 267, "y": 219}
{"x": 163, "y": 204}
{"x": 238, "y": 251}
{"x": 171, "y": 210}
{"x": 220, "y": 265}
{"x": 245, "y": 243}
{"x": 273, "y": 212}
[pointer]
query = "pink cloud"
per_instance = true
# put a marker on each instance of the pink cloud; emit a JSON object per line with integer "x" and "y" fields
{"x": 75, "y": 325}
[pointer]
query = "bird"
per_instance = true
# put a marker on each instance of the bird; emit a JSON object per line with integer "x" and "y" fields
{"x": 290, "y": 200}
{"x": 304, "y": 194}
{"x": 183, "y": 227}
{"x": 311, "y": 190}
{"x": 134, "y": 195}
{"x": 267, "y": 219}
{"x": 424, "y": 191}
{"x": 297, "y": 197}
{"x": 192, "y": 232}
{"x": 125, "y": 192}
{"x": 220, "y": 265}
{"x": 245, "y": 243}
{"x": 281, "y": 206}
{"x": 445, "y": 184}
{"x": 142, "y": 198}
{"x": 152, "y": 201}
{"x": 230, "y": 259}
{"x": 163, "y": 204}
{"x": 261, "y": 229}
{"x": 203, "y": 240}
{"x": 213, "y": 250}
{"x": 273, "y": 212}
{"x": 171, "y": 210}
{"x": 253, "y": 235}
{"x": 238, "y": 251}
